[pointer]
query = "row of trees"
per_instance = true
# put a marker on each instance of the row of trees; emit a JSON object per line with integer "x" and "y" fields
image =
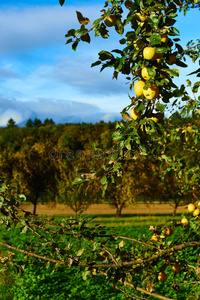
{"x": 30, "y": 123}
{"x": 42, "y": 162}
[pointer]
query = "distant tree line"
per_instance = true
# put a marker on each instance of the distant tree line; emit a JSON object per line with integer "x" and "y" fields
{"x": 42, "y": 160}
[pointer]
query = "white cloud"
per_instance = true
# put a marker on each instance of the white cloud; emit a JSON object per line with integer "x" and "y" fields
{"x": 21, "y": 30}
{"x": 61, "y": 111}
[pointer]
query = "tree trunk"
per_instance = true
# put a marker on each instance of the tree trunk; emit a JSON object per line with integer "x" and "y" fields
{"x": 34, "y": 207}
{"x": 175, "y": 209}
{"x": 119, "y": 210}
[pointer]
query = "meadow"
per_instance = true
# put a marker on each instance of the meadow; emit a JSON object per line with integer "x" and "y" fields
{"x": 38, "y": 282}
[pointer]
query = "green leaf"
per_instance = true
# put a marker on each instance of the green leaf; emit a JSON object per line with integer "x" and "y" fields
{"x": 122, "y": 41}
{"x": 75, "y": 45}
{"x": 104, "y": 180}
{"x": 71, "y": 32}
{"x": 1, "y": 201}
{"x": 85, "y": 274}
{"x": 196, "y": 87}
{"x": 172, "y": 15}
{"x": 78, "y": 180}
{"x": 181, "y": 64}
{"x": 61, "y": 2}
{"x": 117, "y": 136}
{"x": 82, "y": 20}
{"x": 160, "y": 107}
{"x": 155, "y": 38}
{"x": 188, "y": 82}
{"x": 86, "y": 38}
{"x": 22, "y": 197}
{"x": 69, "y": 41}
{"x": 104, "y": 55}
{"x": 96, "y": 63}
{"x": 79, "y": 252}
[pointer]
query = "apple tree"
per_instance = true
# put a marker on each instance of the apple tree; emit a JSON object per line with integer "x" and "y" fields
{"x": 165, "y": 264}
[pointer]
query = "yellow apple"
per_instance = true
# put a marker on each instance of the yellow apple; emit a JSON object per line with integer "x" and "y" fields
{"x": 145, "y": 73}
{"x": 196, "y": 212}
{"x": 155, "y": 237}
{"x": 164, "y": 38}
{"x": 191, "y": 207}
{"x": 109, "y": 21}
{"x": 152, "y": 92}
{"x": 138, "y": 87}
{"x": 149, "y": 53}
{"x": 176, "y": 269}
{"x": 171, "y": 59}
{"x": 134, "y": 114}
{"x": 162, "y": 276}
{"x": 184, "y": 221}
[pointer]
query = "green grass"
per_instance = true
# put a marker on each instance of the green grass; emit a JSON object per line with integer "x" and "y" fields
{"x": 39, "y": 282}
{"x": 126, "y": 220}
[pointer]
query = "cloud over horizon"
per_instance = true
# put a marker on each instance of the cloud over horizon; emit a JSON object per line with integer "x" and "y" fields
{"x": 61, "y": 111}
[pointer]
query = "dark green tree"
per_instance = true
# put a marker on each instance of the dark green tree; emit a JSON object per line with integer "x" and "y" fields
{"x": 11, "y": 123}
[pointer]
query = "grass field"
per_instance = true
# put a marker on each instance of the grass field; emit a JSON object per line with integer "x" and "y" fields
{"x": 42, "y": 283}
{"x": 126, "y": 220}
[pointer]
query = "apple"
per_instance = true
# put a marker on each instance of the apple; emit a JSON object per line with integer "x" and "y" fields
{"x": 162, "y": 276}
{"x": 196, "y": 212}
{"x": 191, "y": 207}
{"x": 176, "y": 269}
{"x": 184, "y": 221}
{"x": 138, "y": 87}
{"x": 134, "y": 114}
{"x": 171, "y": 59}
{"x": 145, "y": 73}
{"x": 149, "y": 53}
{"x": 155, "y": 237}
{"x": 109, "y": 21}
{"x": 164, "y": 38}
{"x": 152, "y": 92}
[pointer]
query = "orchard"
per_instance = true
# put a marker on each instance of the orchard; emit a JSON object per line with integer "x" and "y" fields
{"x": 166, "y": 264}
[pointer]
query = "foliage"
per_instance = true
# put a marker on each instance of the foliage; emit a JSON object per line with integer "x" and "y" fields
{"x": 99, "y": 250}
{"x": 136, "y": 267}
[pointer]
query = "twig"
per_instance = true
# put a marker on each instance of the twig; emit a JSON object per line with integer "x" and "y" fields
{"x": 134, "y": 240}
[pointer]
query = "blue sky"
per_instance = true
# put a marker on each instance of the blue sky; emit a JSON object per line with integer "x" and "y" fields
{"x": 42, "y": 77}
